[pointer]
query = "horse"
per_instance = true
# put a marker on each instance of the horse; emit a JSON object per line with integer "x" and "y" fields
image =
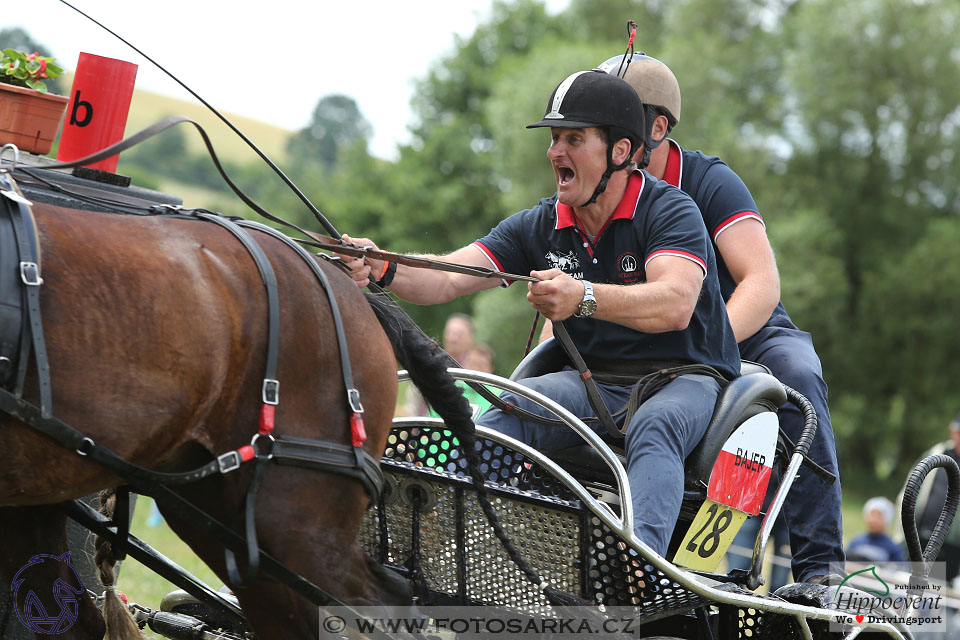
{"x": 156, "y": 337}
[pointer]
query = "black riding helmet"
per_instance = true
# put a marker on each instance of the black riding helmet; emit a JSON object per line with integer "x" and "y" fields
{"x": 657, "y": 87}
{"x": 596, "y": 99}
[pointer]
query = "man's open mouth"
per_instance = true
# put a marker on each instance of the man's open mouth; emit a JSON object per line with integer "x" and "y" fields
{"x": 565, "y": 175}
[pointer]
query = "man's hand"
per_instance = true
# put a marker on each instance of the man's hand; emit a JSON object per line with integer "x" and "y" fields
{"x": 361, "y": 268}
{"x": 557, "y": 296}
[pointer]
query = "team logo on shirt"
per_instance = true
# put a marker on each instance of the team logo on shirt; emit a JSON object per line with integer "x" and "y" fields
{"x": 628, "y": 269}
{"x": 566, "y": 262}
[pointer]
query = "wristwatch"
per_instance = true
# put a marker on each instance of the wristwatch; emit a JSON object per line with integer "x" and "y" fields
{"x": 589, "y": 304}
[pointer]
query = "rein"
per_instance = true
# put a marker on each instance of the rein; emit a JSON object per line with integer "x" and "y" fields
{"x": 314, "y": 239}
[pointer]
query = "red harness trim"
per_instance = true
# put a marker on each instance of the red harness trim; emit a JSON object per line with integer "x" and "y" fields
{"x": 267, "y": 413}
{"x": 357, "y": 431}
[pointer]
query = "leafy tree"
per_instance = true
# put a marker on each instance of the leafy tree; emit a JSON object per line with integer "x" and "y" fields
{"x": 336, "y": 124}
{"x": 17, "y": 38}
{"x": 871, "y": 119}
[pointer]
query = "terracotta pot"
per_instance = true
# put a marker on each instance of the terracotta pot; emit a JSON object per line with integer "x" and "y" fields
{"x": 30, "y": 119}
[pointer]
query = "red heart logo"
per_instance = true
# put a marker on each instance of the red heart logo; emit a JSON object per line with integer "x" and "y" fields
{"x": 859, "y": 618}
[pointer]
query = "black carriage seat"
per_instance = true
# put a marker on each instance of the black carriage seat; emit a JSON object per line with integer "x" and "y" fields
{"x": 755, "y": 391}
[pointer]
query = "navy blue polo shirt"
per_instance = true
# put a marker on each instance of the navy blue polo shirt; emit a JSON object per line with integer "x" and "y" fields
{"x": 653, "y": 219}
{"x": 723, "y": 201}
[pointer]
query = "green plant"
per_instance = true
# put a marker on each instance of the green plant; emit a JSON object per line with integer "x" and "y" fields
{"x": 27, "y": 69}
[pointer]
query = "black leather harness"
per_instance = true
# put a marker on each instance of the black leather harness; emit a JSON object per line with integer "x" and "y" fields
{"x": 21, "y": 329}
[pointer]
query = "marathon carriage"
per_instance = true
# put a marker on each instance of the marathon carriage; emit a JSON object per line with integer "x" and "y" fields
{"x": 566, "y": 513}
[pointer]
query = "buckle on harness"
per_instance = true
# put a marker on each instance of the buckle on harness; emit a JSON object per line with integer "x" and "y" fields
{"x": 30, "y": 274}
{"x": 271, "y": 391}
{"x": 229, "y": 461}
{"x": 85, "y": 447}
{"x": 353, "y": 396}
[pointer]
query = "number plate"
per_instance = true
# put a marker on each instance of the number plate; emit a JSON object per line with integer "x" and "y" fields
{"x": 709, "y": 536}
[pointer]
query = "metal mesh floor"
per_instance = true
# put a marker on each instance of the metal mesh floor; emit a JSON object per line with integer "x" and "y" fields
{"x": 460, "y": 557}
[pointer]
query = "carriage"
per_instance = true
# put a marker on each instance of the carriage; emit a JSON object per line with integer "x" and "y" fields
{"x": 479, "y": 520}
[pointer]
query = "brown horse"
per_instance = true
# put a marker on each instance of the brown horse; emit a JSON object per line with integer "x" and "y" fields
{"x": 156, "y": 333}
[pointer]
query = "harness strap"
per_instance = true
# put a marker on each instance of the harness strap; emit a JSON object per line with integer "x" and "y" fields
{"x": 323, "y": 456}
{"x": 67, "y": 436}
{"x": 252, "y": 550}
{"x": 358, "y": 432}
{"x": 24, "y": 230}
{"x": 13, "y": 330}
{"x": 270, "y": 395}
{"x": 121, "y": 520}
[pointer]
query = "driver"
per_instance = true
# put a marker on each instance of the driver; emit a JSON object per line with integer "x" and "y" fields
{"x": 626, "y": 262}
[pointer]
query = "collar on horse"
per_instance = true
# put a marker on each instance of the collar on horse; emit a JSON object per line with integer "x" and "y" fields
{"x": 17, "y": 229}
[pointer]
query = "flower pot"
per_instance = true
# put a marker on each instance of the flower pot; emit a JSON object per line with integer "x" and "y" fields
{"x": 30, "y": 119}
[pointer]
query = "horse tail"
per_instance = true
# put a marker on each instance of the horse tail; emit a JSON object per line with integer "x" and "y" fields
{"x": 119, "y": 623}
{"x": 427, "y": 364}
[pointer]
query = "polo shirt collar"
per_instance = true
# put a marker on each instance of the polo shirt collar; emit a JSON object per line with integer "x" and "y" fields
{"x": 625, "y": 210}
{"x": 673, "y": 172}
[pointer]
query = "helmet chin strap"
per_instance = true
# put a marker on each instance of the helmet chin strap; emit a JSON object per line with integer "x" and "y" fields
{"x": 611, "y": 168}
{"x": 649, "y": 144}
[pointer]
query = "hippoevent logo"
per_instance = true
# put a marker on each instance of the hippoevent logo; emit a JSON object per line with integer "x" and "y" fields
{"x": 46, "y": 593}
{"x": 873, "y": 572}
{"x": 887, "y": 595}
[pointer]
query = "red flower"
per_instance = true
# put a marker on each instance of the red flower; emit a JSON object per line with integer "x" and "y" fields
{"x": 43, "y": 66}
{"x": 32, "y": 55}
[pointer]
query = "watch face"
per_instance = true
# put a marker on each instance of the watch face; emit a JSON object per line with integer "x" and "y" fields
{"x": 587, "y": 307}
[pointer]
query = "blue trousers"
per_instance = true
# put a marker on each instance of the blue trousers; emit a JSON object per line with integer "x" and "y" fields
{"x": 661, "y": 434}
{"x": 812, "y": 509}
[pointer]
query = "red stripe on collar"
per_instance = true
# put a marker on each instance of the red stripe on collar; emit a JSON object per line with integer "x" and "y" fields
{"x": 672, "y": 172}
{"x": 625, "y": 210}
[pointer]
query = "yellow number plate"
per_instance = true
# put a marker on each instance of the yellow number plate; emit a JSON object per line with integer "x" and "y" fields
{"x": 709, "y": 536}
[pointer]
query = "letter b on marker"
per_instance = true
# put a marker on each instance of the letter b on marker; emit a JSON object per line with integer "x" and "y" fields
{"x": 87, "y": 111}
{"x": 99, "y": 103}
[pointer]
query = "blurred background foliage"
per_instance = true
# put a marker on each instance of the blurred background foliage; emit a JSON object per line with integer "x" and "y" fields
{"x": 842, "y": 118}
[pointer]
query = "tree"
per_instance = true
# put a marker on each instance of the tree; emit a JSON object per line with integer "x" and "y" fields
{"x": 336, "y": 124}
{"x": 871, "y": 118}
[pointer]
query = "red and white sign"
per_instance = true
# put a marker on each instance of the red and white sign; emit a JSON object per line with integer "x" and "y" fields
{"x": 742, "y": 471}
{"x": 97, "y": 113}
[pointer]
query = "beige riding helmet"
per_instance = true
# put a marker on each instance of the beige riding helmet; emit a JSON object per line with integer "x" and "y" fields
{"x": 651, "y": 79}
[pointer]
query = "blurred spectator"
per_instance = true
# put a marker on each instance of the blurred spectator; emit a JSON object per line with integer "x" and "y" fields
{"x": 479, "y": 357}
{"x": 458, "y": 336}
{"x": 875, "y": 545}
{"x": 457, "y": 340}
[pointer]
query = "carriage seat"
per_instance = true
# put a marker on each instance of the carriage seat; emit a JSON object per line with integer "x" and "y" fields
{"x": 755, "y": 391}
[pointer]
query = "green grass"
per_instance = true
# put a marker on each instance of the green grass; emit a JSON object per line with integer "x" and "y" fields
{"x": 142, "y": 585}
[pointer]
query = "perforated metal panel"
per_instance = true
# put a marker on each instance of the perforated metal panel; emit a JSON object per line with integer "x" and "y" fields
{"x": 461, "y": 558}
{"x": 547, "y": 538}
